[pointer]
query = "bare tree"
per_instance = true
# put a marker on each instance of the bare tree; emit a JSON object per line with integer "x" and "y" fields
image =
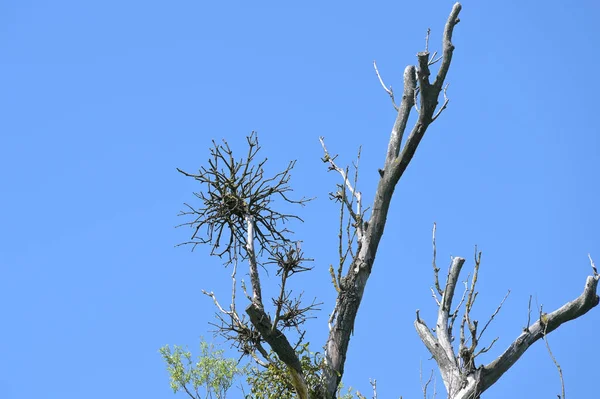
{"x": 239, "y": 219}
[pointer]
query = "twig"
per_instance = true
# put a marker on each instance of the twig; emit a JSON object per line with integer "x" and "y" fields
{"x": 462, "y": 300}
{"x": 493, "y": 315}
{"x": 333, "y": 314}
{"x": 243, "y": 284}
{"x": 593, "y": 265}
{"x": 562, "y": 381}
{"x": 487, "y": 348}
{"x": 424, "y": 386}
{"x": 356, "y": 194}
{"x": 389, "y": 91}
{"x": 416, "y": 100}
{"x": 433, "y": 60}
{"x": 435, "y": 268}
{"x": 435, "y": 298}
{"x": 528, "y": 315}
{"x": 217, "y": 304}
{"x": 374, "y": 385}
{"x": 446, "y": 101}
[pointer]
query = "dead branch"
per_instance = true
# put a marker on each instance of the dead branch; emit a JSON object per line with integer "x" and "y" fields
{"x": 397, "y": 159}
{"x": 493, "y": 315}
{"x": 356, "y": 215}
{"x": 593, "y": 265}
{"x": 570, "y": 311}
{"x": 389, "y": 91}
{"x": 426, "y": 384}
{"x": 443, "y": 107}
{"x": 436, "y": 269}
{"x": 468, "y": 380}
{"x": 560, "y": 374}
{"x": 474, "y": 380}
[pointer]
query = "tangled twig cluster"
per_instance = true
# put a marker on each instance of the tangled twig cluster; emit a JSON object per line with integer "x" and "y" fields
{"x": 232, "y": 191}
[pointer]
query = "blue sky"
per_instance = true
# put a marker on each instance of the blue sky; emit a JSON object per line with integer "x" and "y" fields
{"x": 101, "y": 101}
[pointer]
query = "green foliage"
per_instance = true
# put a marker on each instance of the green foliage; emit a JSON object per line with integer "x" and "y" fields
{"x": 212, "y": 374}
{"x": 274, "y": 381}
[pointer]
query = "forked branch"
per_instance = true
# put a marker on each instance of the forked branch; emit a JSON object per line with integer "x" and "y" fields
{"x": 466, "y": 379}
{"x": 397, "y": 158}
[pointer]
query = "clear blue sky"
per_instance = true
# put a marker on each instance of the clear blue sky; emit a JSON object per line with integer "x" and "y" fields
{"x": 101, "y": 101}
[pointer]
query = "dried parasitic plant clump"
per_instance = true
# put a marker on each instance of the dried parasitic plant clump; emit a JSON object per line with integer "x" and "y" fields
{"x": 233, "y": 191}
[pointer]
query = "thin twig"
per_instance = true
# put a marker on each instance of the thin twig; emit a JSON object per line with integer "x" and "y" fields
{"x": 356, "y": 194}
{"x": 374, "y": 385}
{"x": 424, "y": 386}
{"x": 217, "y": 304}
{"x": 389, "y": 91}
{"x": 528, "y": 314}
{"x": 562, "y": 381}
{"x": 493, "y": 315}
{"x": 435, "y": 298}
{"x": 487, "y": 348}
{"x": 435, "y": 268}
{"x": 416, "y": 100}
{"x": 593, "y": 265}
{"x": 446, "y": 101}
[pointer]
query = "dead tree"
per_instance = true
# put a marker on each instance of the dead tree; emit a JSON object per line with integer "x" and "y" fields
{"x": 238, "y": 218}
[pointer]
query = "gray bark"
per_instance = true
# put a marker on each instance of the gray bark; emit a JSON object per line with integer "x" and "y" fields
{"x": 463, "y": 382}
{"x": 396, "y": 162}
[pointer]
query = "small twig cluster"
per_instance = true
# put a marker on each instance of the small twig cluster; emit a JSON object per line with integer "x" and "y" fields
{"x": 352, "y": 215}
{"x": 289, "y": 311}
{"x": 470, "y": 352}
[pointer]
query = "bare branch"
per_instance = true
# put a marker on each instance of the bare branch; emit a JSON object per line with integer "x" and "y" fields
{"x": 435, "y": 268}
{"x": 562, "y": 381}
{"x": 593, "y": 267}
{"x": 493, "y": 315}
{"x": 433, "y": 60}
{"x": 424, "y": 386}
{"x": 435, "y": 298}
{"x": 254, "y": 277}
{"x": 448, "y": 47}
{"x": 454, "y": 314}
{"x": 442, "y": 331}
{"x": 374, "y": 385}
{"x": 356, "y": 215}
{"x": 443, "y": 107}
{"x": 389, "y": 91}
{"x": 217, "y": 304}
{"x": 528, "y": 315}
{"x": 571, "y": 310}
{"x": 408, "y": 100}
{"x": 485, "y": 349}
{"x": 397, "y": 159}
